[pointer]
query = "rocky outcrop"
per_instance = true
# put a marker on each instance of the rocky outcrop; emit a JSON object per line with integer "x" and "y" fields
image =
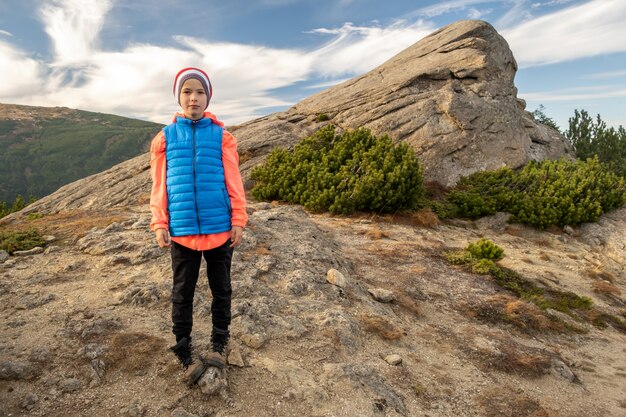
{"x": 450, "y": 95}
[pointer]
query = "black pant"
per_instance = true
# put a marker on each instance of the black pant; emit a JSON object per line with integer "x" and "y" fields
{"x": 186, "y": 268}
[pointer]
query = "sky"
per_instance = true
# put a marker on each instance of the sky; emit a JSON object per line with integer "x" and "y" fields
{"x": 120, "y": 57}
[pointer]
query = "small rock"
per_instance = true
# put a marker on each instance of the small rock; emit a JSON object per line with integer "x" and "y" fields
{"x": 101, "y": 326}
{"x": 70, "y": 385}
{"x": 4, "y": 255}
{"x": 393, "y": 359}
{"x": 9, "y": 263}
{"x": 141, "y": 295}
{"x": 141, "y": 224}
{"x": 568, "y": 229}
{"x": 561, "y": 369}
{"x": 336, "y": 278}
{"x": 255, "y": 341}
{"x": 113, "y": 227}
{"x": 381, "y": 295}
{"x": 52, "y": 249}
{"x": 497, "y": 222}
{"x": 135, "y": 410}
{"x": 40, "y": 354}
{"x": 28, "y": 302}
{"x": 91, "y": 351}
{"x": 263, "y": 206}
{"x": 180, "y": 412}
{"x": 49, "y": 238}
{"x": 30, "y": 401}
{"x": 34, "y": 251}
{"x": 212, "y": 381}
{"x": 15, "y": 370}
{"x": 236, "y": 358}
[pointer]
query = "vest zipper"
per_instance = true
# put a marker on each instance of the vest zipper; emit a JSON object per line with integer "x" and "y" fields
{"x": 195, "y": 191}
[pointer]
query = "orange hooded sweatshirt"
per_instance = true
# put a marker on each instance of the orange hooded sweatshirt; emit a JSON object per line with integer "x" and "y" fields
{"x": 234, "y": 185}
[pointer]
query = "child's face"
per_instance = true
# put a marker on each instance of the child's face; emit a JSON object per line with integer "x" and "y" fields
{"x": 193, "y": 99}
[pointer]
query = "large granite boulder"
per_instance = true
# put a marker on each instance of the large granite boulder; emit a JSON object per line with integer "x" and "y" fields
{"x": 451, "y": 96}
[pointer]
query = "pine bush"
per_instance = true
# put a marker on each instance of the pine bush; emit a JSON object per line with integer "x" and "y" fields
{"x": 485, "y": 249}
{"x": 543, "y": 194}
{"x": 15, "y": 241}
{"x": 342, "y": 174}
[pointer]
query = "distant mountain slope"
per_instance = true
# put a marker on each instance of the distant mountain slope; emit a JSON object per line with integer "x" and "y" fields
{"x": 44, "y": 148}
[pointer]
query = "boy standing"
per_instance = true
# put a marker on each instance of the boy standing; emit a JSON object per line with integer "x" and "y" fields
{"x": 198, "y": 209}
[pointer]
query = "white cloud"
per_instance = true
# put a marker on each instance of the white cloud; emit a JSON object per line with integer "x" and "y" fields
{"x": 561, "y": 95}
{"x": 358, "y": 49}
{"x": 604, "y": 75}
{"x": 594, "y": 28}
{"x": 21, "y": 75}
{"x": 517, "y": 12}
{"x": 4, "y": 32}
{"x": 73, "y": 27}
{"x": 443, "y": 7}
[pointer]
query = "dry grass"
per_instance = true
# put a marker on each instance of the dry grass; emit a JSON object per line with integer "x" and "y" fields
{"x": 376, "y": 234}
{"x": 134, "y": 352}
{"x": 605, "y": 288}
{"x": 407, "y": 302}
{"x": 601, "y": 275}
{"x": 544, "y": 257}
{"x": 68, "y": 223}
{"x": 503, "y": 402}
{"x": 420, "y": 218}
{"x": 528, "y": 261}
{"x": 380, "y": 326}
{"x": 425, "y": 218}
{"x": 517, "y": 359}
{"x": 507, "y": 309}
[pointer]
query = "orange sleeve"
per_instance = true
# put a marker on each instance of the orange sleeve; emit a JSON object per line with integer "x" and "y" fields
{"x": 158, "y": 197}
{"x": 234, "y": 184}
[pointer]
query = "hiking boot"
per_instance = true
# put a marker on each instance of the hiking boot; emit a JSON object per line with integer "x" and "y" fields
{"x": 219, "y": 340}
{"x": 194, "y": 366}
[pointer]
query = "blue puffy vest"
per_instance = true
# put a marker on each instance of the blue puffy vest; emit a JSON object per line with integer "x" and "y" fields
{"x": 197, "y": 200}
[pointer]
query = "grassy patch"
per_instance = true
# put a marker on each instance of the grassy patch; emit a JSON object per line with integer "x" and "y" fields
{"x": 380, "y": 326}
{"x": 12, "y": 241}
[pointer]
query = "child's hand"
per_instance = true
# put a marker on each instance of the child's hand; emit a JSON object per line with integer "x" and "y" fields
{"x": 163, "y": 238}
{"x": 236, "y": 233}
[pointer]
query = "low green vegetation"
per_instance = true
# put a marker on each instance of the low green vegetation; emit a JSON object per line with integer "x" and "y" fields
{"x": 43, "y": 153}
{"x": 342, "y": 173}
{"x": 480, "y": 258}
{"x": 12, "y": 241}
{"x": 542, "y": 194}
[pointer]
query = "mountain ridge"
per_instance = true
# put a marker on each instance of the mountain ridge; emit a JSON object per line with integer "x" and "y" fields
{"x": 47, "y": 147}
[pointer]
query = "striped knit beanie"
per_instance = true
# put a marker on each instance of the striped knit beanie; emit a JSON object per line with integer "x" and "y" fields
{"x": 187, "y": 73}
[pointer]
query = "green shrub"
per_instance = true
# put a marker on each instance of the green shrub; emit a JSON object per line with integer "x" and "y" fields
{"x": 34, "y": 216}
{"x": 480, "y": 257}
{"x": 482, "y": 266}
{"x": 322, "y": 117}
{"x": 16, "y": 241}
{"x": 485, "y": 249}
{"x": 342, "y": 173}
{"x": 542, "y": 194}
